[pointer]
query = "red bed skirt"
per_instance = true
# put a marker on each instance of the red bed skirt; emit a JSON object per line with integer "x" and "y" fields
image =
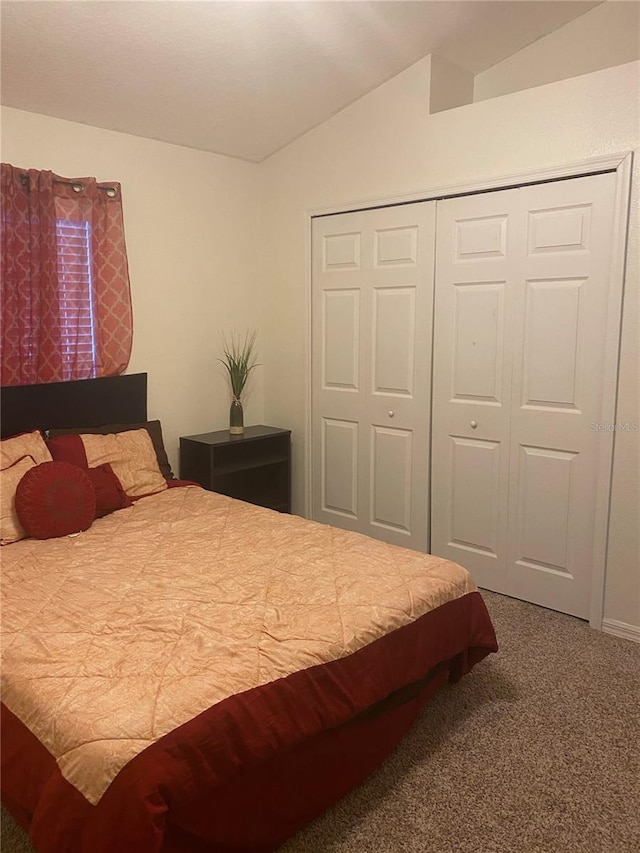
{"x": 223, "y": 782}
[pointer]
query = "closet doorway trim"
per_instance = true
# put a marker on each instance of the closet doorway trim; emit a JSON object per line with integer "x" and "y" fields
{"x": 621, "y": 163}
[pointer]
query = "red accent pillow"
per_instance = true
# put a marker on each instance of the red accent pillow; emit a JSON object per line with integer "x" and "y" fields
{"x": 68, "y": 448}
{"x": 110, "y": 495}
{"x": 55, "y": 499}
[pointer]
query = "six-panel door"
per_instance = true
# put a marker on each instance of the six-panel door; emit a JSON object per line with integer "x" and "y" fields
{"x": 519, "y": 350}
{"x": 372, "y": 317}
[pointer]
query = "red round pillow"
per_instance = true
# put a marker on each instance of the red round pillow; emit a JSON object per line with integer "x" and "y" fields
{"x": 55, "y": 499}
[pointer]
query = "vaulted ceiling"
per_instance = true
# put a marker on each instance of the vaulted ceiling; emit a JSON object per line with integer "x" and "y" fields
{"x": 242, "y": 78}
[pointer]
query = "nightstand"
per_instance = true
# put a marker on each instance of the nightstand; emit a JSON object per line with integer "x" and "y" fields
{"x": 253, "y": 467}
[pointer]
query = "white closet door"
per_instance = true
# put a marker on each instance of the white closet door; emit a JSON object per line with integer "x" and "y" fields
{"x": 560, "y": 310}
{"x": 372, "y": 282}
{"x": 521, "y": 301}
{"x": 472, "y": 384}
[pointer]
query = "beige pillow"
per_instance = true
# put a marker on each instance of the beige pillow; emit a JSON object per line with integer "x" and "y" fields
{"x": 10, "y": 528}
{"x": 27, "y": 444}
{"x": 131, "y": 455}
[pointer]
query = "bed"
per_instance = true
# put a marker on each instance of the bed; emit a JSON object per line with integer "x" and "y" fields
{"x": 193, "y": 673}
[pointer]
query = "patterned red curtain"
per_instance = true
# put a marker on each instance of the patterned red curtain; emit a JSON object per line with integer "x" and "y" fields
{"x": 65, "y": 297}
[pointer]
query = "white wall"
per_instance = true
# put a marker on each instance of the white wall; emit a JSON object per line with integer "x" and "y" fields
{"x": 605, "y": 36}
{"x": 191, "y": 223}
{"x": 386, "y": 144}
{"x": 450, "y": 85}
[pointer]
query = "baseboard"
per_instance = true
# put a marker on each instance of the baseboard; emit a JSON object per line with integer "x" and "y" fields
{"x": 621, "y": 629}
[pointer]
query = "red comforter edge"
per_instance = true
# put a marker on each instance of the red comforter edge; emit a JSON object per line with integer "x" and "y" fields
{"x": 170, "y": 791}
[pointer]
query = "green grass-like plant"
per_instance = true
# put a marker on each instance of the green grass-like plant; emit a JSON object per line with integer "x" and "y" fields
{"x": 239, "y": 359}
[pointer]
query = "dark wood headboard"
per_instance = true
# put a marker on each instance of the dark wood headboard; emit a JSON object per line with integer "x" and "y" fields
{"x": 83, "y": 403}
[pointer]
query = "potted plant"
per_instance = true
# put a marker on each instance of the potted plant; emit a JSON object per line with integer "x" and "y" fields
{"x": 239, "y": 358}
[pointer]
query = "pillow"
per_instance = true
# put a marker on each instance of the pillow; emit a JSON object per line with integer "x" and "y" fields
{"x": 130, "y": 454}
{"x": 68, "y": 448}
{"x": 55, "y": 499}
{"x": 110, "y": 495}
{"x": 154, "y": 428}
{"x": 10, "y": 528}
{"x": 26, "y": 444}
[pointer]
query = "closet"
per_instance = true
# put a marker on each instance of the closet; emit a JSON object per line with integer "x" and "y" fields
{"x": 372, "y": 310}
{"x": 458, "y": 370}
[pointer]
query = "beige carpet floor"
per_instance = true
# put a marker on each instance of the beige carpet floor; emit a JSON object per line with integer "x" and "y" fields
{"x": 537, "y": 751}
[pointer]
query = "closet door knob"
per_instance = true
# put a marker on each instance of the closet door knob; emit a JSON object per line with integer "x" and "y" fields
{"x": 473, "y": 424}
{"x": 390, "y": 413}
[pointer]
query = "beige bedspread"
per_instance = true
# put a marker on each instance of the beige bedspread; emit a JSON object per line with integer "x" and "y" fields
{"x": 114, "y": 637}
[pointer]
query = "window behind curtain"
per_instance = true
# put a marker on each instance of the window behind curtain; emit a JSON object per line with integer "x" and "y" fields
{"x": 65, "y": 298}
{"x": 77, "y": 317}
